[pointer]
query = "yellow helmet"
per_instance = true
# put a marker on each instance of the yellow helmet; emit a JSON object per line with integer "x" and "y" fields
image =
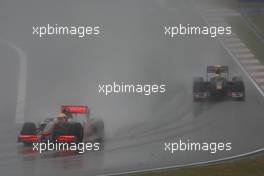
{"x": 61, "y": 115}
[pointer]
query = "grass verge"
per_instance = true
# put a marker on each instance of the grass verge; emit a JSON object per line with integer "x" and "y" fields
{"x": 247, "y": 167}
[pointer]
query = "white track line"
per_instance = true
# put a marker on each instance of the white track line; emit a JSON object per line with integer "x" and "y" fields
{"x": 259, "y": 80}
{"x": 257, "y": 73}
{"x": 254, "y": 67}
{"x": 236, "y": 45}
{"x": 248, "y": 61}
{"x": 22, "y": 82}
{"x": 241, "y": 50}
{"x": 245, "y": 55}
{"x": 186, "y": 165}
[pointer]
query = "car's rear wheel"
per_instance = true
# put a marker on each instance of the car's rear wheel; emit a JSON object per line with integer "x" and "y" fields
{"x": 98, "y": 130}
{"x": 28, "y": 128}
{"x": 238, "y": 86}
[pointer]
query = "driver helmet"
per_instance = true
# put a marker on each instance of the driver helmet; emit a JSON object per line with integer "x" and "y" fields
{"x": 61, "y": 117}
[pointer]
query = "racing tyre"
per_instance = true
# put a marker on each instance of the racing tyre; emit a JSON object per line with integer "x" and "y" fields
{"x": 100, "y": 130}
{"x": 238, "y": 86}
{"x": 28, "y": 128}
{"x": 237, "y": 78}
{"x": 198, "y": 86}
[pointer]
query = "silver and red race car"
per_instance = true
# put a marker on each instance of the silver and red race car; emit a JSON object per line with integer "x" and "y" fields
{"x": 74, "y": 125}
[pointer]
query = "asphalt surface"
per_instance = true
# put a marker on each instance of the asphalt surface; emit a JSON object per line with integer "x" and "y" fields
{"x": 132, "y": 48}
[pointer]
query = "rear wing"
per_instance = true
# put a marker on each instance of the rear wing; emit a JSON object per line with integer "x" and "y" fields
{"x": 214, "y": 68}
{"x": 81, "y": 109}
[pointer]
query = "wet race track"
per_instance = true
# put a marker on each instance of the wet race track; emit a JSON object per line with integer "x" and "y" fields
{"x": 131, "y": 48}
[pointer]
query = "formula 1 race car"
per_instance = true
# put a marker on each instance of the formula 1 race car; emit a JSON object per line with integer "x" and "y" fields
{"x": 73, "y": 125}
{"x": 217, "y": 85}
